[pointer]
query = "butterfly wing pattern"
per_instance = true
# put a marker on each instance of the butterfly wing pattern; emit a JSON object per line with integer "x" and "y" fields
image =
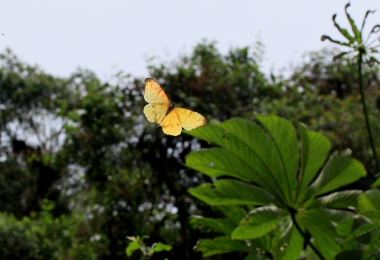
{"x": 159, "y": 103}
{"x": 158, "y": 107}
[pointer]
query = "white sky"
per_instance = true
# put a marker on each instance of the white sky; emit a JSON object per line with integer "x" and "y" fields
{"x": 113, "y": 35}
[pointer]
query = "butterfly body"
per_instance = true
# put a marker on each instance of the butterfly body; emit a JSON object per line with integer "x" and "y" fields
{"x": 161, "y": 111}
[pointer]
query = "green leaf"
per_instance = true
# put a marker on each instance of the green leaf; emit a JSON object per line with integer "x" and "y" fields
{"x": 341, "y": 199}
{"x": 369, "y": 205}
{"x": 318, "y": 222}
{"x": 251, "y": 144}
{"x": 234, "y": 213}
{"x": 224, "y": 226}
{"x": 344, "y": 32}
{"x": 362, "y": 230}
{"x": 370, "y": 200}
{"x": 315, "y": 148}
{"x": 339, "y": 171}
{"x": 158, "y": 247}
{"x": 133, "y": 246}
{"x": 217, "y": 162}
{"x": 365, "y": 18}
{"x": 259, "y": 222}
{"x": 232, "y": 192}
{"x": 221, "y": 245}
{"x": 346, "y": 226}
{"x": 326, "y": 37}
{"x": 358, "y": 34}
{"x": 284, "y": 136}
{"x": 340, "y": 55}
{"x": 291, "y": 245}
{"x": 276, "y": 171}
{"x": 376, "y": 183}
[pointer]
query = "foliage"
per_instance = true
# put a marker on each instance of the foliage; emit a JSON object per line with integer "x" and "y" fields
{"x": 278, "y": 190}
{"x": 148, "y": 252}
{"x": 44, "y": 236}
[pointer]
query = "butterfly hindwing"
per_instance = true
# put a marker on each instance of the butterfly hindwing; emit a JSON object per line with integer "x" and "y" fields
{"x": 189, "y": 119}
{"x": 182, "y": 117}
{"x": 155, "y": 112}
{"x": 171, "y": 125}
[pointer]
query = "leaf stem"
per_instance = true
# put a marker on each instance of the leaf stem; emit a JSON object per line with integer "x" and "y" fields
{"x": 365, "y": 111}
{"x": 307, "y": 240}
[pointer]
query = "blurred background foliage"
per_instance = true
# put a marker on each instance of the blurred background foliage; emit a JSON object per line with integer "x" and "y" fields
{"x": 81, "y": 167}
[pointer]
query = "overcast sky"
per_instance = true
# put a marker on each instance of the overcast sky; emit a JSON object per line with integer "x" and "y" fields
{"x": 113, "y": 35}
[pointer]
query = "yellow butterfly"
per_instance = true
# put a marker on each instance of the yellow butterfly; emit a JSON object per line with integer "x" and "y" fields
{"x": 160, "y": 110}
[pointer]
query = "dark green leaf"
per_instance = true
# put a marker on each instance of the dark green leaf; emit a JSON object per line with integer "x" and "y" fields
{"x": 355, "y": 29}
{"x": 291, "y": 245}
{"x": 362, "y": 230}
{"x": 356, "y": 254}
{"x": 232, "y": 192}
{"x": 221, "y": 245}
{"x": 224, "y": 226}
{"x": 340, "y": 55}
{"x": 326, "y": 37}
{"x": 365, "y": 18}
{"x": 344, "y": 32}
{"x": 320, "y": 225}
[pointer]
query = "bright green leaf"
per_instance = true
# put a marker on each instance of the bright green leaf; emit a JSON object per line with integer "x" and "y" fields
{"x": 259, "y": 222}
{"x": 159, "y": 247}
{"x": 341, "y": 199}
{"x": 339, "y": 171}
{"x": 284, "y": 136}
{"x": 133, "y": 246}
{"x": 315, "y": 148}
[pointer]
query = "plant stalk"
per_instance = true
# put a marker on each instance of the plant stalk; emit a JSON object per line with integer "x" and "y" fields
{"x": 365, "y": 111}
{"x": 306, "y": 239}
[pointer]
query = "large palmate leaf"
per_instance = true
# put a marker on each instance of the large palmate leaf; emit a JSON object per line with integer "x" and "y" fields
{"x": 284, "y": 176}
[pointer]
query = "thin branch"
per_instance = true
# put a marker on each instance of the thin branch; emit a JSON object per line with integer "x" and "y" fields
{"x": 365, "y": 111}
{"x": 306, "y": 239}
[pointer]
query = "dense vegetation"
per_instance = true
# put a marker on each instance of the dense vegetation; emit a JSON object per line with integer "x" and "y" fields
{"x": 81, "y": 168}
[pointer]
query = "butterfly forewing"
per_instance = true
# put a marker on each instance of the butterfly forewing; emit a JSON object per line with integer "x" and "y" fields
{"x": 154, "y": 93}
{"x": 189, "y": 119}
